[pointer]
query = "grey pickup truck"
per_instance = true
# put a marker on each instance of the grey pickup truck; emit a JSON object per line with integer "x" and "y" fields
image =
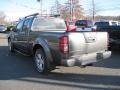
{"x": 52, "y": 43}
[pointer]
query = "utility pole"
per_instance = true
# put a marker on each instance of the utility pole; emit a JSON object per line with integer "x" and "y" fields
{"x": 93, "y": 10}
{"x": 40, "y": 1}
{"x": 71, "y": 9}
{"x": 41, "y": 7}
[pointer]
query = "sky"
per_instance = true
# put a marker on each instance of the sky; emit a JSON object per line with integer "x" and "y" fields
{"x": 103, "y": 7}
{"x": 15, "y": 9}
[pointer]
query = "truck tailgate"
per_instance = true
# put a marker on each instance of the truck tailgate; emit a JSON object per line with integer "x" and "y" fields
{"x": 87, "y": 42}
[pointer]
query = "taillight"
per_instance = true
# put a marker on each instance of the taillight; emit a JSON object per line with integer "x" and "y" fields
{"x": 64, "y": 44}
{"x": 94, "y": 29}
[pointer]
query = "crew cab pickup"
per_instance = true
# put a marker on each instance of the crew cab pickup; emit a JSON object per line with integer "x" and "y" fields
{"x": 51, "y": 44}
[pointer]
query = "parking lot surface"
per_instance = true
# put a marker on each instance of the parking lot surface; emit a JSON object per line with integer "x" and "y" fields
{"x": 17, "y": 72}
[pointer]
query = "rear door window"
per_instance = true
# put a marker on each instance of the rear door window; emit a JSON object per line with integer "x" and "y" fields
{"x": 19, "y": 25}
{"x": 28, "y": 23}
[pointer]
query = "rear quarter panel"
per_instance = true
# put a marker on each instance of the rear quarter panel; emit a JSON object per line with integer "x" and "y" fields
{"x": 87, "y": 42}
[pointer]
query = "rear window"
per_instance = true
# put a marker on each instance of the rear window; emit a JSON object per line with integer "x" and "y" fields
{"x": 80, "y": 23}
{"x": 48, "y": 24}
{"x": 86, "y": 23}
{"x": 114, "y": 23}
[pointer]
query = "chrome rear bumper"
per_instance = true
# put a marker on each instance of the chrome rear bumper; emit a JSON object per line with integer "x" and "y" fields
{"x": 86, "y": 59}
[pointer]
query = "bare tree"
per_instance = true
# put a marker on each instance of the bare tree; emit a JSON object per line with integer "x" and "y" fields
{"x": 77, "y": 10}
{"x": 72, "y": 10}
{"x": 56, "y": 8}
{"x": 65, "y": 11}
{"x": 65, "y": 14}
{"x": 93, "y": 10}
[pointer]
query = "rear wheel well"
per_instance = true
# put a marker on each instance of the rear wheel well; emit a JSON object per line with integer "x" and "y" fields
{"x": 37, "y": 46}
{"x": 51, "y": 64}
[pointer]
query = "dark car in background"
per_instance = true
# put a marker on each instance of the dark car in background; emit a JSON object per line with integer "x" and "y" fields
{"x": 113, "y": 30}
{"x": 106, "y": 23}
{"x": 3, "y": 28}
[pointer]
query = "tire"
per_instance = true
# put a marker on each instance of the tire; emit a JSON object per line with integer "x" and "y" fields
{"x": 10, "y": 45}
{"x": 41, "y": 63}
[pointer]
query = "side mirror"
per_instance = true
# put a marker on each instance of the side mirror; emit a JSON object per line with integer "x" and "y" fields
{"x": 71, "y": 28}
{"x": 13, "y": 29}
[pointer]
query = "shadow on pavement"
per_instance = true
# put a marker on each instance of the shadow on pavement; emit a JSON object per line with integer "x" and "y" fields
{"x": 113, "y": 62}
{"x": 21, "y": 68}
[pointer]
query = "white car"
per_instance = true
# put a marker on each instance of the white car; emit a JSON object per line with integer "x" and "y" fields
{"x": 3, "y": 28}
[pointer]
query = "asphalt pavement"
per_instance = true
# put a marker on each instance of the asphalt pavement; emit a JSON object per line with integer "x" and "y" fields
{"x": 17, "y": 72}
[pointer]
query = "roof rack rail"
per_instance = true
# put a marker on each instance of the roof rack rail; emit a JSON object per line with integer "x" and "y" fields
{"x": 35, "y": 14}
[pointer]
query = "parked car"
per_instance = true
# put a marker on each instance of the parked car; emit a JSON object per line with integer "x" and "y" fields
{"x": 84, "y": 25}
{"x": 51, "y": 44}
{"x": 114, "y": 34}
{"x": 3, "y": 28}
{"x": 106, "y": 23}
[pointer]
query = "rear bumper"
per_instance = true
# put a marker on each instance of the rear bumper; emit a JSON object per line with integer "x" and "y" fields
{"x": 86, "y": 59}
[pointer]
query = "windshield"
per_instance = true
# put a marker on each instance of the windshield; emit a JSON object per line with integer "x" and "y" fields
{"x": 86, "y": 23}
